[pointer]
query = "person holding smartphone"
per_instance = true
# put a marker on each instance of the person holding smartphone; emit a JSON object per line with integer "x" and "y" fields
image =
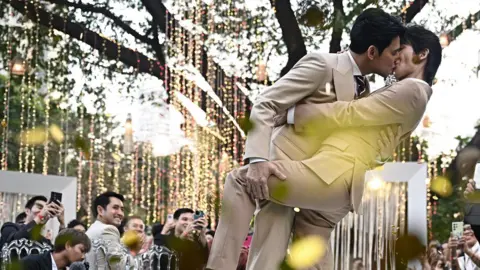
{"x": 38, "y": 211}
{"x": 469, "y": 248}
{"x": 185, "y": 233}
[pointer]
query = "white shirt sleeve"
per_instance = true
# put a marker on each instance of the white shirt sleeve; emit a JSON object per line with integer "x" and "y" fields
{"x": 255, "y": 160}
{"x": 291, "y": 116}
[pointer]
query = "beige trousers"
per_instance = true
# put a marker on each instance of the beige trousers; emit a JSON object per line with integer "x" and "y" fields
{"x": 326, "y": 204}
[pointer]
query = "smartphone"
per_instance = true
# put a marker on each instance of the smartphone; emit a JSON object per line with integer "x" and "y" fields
{"x": 198, "y": 214}
{"x": 55, "y": 197}
{"x": 476, "y": 176}
{"x": 169, "y": 217}
{"x": 457, "y": 229}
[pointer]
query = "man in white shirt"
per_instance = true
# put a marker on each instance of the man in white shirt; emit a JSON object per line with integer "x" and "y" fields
{"x": 108, "y": 208}
{"x": 70, "y": 246}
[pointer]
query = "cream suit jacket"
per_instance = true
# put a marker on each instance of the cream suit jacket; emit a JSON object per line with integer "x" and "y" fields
{"x": 116, "y": 257}
{"x": 316, "y": 78}
{"x": 355, "y": 130}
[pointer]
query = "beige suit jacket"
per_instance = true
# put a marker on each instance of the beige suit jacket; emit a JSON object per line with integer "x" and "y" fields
{"x": 355, "y": 130}
{"x": 116, "y": 257}
{"x": 316, "y": 78}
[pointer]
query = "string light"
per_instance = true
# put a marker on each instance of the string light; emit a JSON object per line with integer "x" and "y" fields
{"x": 6, "y": 102}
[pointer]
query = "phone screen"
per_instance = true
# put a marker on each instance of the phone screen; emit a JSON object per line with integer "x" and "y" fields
{"x": 457, "y": 229}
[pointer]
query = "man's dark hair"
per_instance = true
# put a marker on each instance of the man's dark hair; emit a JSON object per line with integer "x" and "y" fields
{"x": 21, "y": 217}
{"x": 181, "y": 211}
{"x": 73, "y": 238}
{"x": 420, "y": 39}
{"x": 104, "y": 199}
{"x": 374, "y": 27}
{"x": 75, "y": 223}
{"x": 32, "y": 201}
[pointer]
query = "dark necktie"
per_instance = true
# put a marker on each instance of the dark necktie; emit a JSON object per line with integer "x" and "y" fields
{"x": 360, "y": 80}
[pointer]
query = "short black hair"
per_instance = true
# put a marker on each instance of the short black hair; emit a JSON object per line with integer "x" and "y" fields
{"x": 104, "y": 199}
{"x": 374, "y": 27}
{"x": 74, "y": 222}
{"x": 73, "y": 238}
{"x": 181, "y": 211}
{"x": 421, "y": 39}
{"x": 32, "y": 201}
{"x": 211, "y": 232}
{"x": 21, "y": 217}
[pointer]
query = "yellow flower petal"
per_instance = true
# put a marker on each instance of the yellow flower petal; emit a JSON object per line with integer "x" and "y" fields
{"x": 306, "y": 252}
{"x": 442, "y": 186}
{"x": 56, "y": 133}
{"x": 131, "y": 239}
{"x": 35, "y": 136}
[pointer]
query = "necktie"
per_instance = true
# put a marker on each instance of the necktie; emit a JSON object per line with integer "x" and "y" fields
{"x": 360, "y": 80}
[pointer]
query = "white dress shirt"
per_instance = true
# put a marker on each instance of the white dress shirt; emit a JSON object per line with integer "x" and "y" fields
{"x": 466, "y": 263}
{"x": 54, "y": 265}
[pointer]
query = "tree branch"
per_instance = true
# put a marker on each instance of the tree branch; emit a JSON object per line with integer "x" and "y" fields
{"x": 291, "y": 34}
{"x": 158, "y": 12}
{"x": 357, "y": 10}
{"x": 103, "y": 45}
{"x": 468, "y": 23}
{"x": 414, "y": 9}
{"x": 107, "y": 13}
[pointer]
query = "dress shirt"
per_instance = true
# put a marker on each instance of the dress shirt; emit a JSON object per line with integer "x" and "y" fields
{"x": 54, "y": 265}
{"x": 466, "y": 263}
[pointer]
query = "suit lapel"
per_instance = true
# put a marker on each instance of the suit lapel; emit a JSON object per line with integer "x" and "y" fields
{"x": 343, "y": 78}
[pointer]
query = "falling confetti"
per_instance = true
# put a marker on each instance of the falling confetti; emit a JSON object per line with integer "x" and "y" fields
{"x": 56, "y": 133}
{"x": 131, "y": 239}
{"x": 306, "y": 252}
{"x": 280, "y": 191}
{"x": 407, "y": 248}
{"x": 245, "y": 124}
{"x": 81, "y": 144}
{"x": 35, "y": 136}
{"x": 441, "y": 186}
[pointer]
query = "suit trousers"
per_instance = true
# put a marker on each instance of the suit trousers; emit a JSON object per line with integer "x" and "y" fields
{"x": 302, "y": 188}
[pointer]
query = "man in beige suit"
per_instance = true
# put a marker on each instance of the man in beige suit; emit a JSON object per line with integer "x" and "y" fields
{"x": 316, "y": 78}
{"x": 108, "y": 208}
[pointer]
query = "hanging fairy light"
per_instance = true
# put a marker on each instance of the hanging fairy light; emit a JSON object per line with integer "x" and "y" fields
{"x": 128, "y": 138}
{"x": 18, "y": 66}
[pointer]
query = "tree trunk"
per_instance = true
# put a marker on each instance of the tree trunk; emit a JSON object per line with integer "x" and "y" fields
{"x": 338, "y": 25}
{"x": 292, "y": 36}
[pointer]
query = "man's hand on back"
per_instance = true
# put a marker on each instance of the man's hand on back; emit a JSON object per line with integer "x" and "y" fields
{"x": 257, "y": 176}
{"x": 389, "y": 141}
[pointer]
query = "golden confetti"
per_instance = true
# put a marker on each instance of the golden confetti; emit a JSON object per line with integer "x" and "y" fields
{"x": 81, "y": 144}
{"x": 245, "y": 124}
{"x": 379, "y": 168}
{"x": 280, "y": 191}
{"x": 56, "y": 133}
{"x": 296, "y": 209}
{"x": 441, "y": 186}
{"x": 306, "y": 252}
{"x": 4, "y": 123}
{"x": 116, "y": 157}
{"x": 131, "y": 239}
{"x": 35, "y": 136}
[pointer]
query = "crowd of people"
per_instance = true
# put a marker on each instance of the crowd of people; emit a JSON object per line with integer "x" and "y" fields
{"x": 184, "y": 233}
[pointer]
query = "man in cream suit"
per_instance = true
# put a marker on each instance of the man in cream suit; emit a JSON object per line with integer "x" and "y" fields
{"x": 108, "y": 208}
{"x": 317, "y": 78}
